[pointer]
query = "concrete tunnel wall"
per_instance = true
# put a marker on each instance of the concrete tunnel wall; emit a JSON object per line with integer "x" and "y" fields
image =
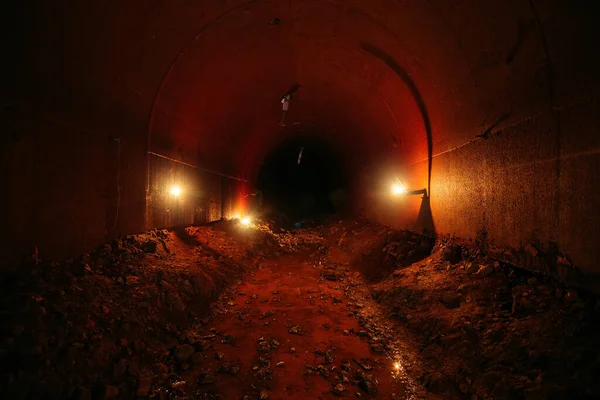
{"x": 509, "y": 89}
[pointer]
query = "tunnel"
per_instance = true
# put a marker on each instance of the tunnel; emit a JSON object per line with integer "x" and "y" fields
{"x": 303, "y": 178}
{"x": 471, "y": 120}
{"x": 489, "y": 107}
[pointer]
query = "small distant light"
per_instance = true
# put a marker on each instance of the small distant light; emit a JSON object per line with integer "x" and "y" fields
{"x": 397, "y": 366}
{"x": 398, "y": 189}
{"x": 246, "y": 221}
{"x": 175, "y": 191}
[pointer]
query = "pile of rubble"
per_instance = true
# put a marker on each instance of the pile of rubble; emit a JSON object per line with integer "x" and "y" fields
{"x": 125, "y": 320}
{"x": 487, "y": 330}
{"x": 404, "y": 248}
{"x": 109, "y": 324}
{"x": 480, "y": 328}
{"x": 291, "y": 240}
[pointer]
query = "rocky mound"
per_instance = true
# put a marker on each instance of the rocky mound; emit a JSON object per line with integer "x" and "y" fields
{"x": 108, "y": 323}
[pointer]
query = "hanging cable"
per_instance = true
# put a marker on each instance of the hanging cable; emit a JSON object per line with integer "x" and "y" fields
{"x": 196, "y": 167}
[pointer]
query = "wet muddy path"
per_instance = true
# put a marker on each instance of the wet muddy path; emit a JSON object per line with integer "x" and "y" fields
{"x": 288, "y": 331}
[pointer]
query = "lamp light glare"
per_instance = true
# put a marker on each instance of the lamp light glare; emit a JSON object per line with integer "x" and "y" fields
{"x": 246, "y": 221}
{"x": 175, "y": 191}
{"x": 398, "y": 189}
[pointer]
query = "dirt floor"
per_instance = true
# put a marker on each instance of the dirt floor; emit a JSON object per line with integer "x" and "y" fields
{"x": 347, "y": 309}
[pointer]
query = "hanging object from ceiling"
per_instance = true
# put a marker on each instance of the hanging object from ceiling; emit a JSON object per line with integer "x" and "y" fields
{"x": 285, "y": 102}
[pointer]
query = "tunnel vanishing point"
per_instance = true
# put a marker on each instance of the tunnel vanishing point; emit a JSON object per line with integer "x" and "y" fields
{"x": 491, "y": 106}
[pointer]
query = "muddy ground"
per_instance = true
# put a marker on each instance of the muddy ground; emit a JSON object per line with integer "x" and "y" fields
{"x": 347, "y": 309}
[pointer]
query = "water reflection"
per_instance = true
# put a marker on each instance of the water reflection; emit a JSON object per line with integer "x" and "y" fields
{"x": 398, "y": 371}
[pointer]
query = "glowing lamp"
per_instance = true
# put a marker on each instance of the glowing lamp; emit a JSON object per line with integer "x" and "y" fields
{"x": 175, "y": 191}
{"x": 398, "y": 189}
{"x": 246, "y": 221}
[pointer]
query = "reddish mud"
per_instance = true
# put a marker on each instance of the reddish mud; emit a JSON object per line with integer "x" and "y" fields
{"x": 285, "y": 294}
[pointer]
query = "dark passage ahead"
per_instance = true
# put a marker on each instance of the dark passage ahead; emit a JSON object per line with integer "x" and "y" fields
{"x": 303, "y": 177}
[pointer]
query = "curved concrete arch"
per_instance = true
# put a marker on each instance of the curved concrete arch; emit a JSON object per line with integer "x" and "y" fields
{"x": 177, "y": 57}
{"x": 254, "y": 3}
{"x": 402, "y": 74}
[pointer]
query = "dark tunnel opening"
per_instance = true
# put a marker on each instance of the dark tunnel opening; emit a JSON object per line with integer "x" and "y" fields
{"x": 302, "y": 178}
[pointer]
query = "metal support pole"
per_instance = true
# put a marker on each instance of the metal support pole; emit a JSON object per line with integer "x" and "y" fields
{"x": 417, "y": 192}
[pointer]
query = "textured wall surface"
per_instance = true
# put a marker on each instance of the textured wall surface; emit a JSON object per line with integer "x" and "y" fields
{"x": 501, "y": 94}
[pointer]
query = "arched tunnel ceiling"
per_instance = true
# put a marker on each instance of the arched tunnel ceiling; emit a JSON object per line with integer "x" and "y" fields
{"x": 234, "y": 61}
{"x": 224, "y": 83}
{"x": 457, "y": 53}
{"x": 247, "y": 64}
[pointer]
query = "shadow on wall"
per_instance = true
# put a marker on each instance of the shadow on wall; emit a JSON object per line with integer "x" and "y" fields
{"x": 414, "y": 90}
{"x": 424, "y": 223}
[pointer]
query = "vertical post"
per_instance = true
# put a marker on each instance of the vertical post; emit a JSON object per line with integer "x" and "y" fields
{"x": 222, "y": 197}
{"x": 148, "y": 202}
